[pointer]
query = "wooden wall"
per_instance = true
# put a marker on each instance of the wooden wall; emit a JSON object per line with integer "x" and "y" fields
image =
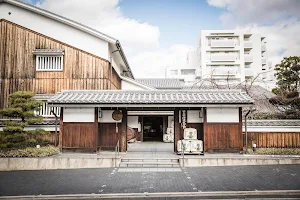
{"x": 271, "y": 139}
{"x": 108, "y": 137}
{"x": 79, "y": 135}
{"x": 17, "y": 65}
{"x": 223, "y": 136}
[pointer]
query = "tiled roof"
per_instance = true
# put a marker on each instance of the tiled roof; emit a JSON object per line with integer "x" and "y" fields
{"x": 151, "y": 97}
{"x": 49, "y": 51}
{"x": 259, "y": 94}
{"x": 45, "y": 121}
{"x": 273, "y": 123}
{"x": 162, "y": 83}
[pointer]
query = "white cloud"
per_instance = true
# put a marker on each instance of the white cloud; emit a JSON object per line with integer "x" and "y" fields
{"x": 140, "y": 40}
{"x": 278, "y": 20}
{"x": 106, "y": 17}
{"x": 154, "y": 63}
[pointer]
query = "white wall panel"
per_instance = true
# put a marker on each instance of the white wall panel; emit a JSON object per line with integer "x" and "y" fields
{"x": 129, "y": 86}
{"x": 222, "y": 114}
{"x": 133, "y": 121}
{"x": 55, "y": 29}
{"x": 193, "y": 116}
{"x": 107, "y": 117}
{"x": 79, "y": 115}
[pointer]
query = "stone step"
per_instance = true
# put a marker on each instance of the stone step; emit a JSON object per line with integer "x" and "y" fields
{"x": 149, "y": 164}
{"x": 151, "y": 160}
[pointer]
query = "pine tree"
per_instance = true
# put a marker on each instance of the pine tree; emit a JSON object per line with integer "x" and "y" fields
{"x": 288, "y": 85}
{"x": 21, "y": 113}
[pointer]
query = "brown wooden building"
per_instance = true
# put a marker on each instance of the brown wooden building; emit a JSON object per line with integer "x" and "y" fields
{"x": 47, "y": 53}
{"x": 86, "y": 121}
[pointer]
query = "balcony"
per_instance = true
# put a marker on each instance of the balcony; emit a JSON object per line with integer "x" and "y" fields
{"x": 248, "y": 58}
{"x": 264, "y": 61}
{"x": 220, "y": 71}
{"x": 263, "y": 47}
{"x": 249, "y": 73}
{"x": 222, "y": 43}
{"x": 247, "y": 45}
{"x": 223, "y": 57}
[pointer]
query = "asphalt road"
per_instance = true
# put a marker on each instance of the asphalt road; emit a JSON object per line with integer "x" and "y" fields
{"x": 107, "y": 181}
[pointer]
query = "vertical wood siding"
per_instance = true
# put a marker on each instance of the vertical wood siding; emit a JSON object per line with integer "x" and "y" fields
{"x": 222, "y": 136}
{"x": 271, "y": 139}
{"x": 81, "y": 70}
{"x": 108, "y": 137}
{"x": 79, "y": 135}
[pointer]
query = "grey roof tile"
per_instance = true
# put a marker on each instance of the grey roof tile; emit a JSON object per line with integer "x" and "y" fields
{"x": 273, "y": 123}
{"x": 161, "y": 83}
{"x": 151, "y": 97}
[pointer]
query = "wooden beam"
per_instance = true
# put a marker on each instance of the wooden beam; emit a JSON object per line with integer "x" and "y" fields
{"x": 96, "y": 129}
{"x": 123, "y": 132}
{"x": 61, "y": 127}
{"x": 177, "y": 129}
{"x": 205, "y": 139}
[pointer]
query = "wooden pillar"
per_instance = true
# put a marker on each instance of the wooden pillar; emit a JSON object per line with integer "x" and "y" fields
{"x": 96, "y": 129}
{"x": 177, "y": 128}
{"x": 240, "y": 137}
{"x": 205, "y": 141}
{"x": 61, "y": 128}
{"x": 123, "y": 132}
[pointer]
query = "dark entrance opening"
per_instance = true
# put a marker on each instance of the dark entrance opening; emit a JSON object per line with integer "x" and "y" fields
{"x": 153, "y": 129}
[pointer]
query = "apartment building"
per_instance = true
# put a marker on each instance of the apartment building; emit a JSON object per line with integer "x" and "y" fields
{"x": 226, "y": 56}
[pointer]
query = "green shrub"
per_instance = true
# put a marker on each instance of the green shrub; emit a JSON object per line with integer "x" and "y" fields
{"x": 30, "y": 152}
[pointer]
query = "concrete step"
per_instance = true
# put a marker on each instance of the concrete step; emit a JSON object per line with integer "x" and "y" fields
{"x": 149, "y": 165}
{"x": 159, "y": 160}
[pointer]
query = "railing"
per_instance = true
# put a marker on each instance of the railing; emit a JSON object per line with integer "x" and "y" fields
{"x": 117, "y": 150}
{"x": 182, "y": 153}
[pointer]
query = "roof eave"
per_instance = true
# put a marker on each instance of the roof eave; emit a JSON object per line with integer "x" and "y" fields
{"x": 119, "y": 46}
{"x": 172, "y": 105}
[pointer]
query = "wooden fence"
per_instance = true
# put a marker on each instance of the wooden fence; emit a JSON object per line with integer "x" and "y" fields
{"x": 273, "y": 139}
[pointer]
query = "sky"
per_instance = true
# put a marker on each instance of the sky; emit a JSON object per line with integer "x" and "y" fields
{"x": 158, "y": 33}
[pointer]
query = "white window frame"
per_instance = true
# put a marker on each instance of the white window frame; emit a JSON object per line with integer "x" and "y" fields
{"x": 50, "y": 56}
{"x": 56, "y": 60}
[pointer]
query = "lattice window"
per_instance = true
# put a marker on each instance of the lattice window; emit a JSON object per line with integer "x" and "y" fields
{"x": 49, "y": 63}
{"x": 45, "y": 111}
{"x": 49, "y": 59}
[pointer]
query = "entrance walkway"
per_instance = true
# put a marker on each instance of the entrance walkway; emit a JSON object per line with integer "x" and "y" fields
{"x": 150, "y": 150}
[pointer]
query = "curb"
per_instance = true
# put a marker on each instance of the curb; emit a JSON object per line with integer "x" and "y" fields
{"x": 165, "y": 194}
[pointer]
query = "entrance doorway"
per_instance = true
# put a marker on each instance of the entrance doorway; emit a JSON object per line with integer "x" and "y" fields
{"x": 153, "y": 129}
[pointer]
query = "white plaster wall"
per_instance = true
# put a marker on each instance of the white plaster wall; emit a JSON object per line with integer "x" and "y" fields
{"x": 133, "y": 121}
{"x": 125, "y": 85}
{"x": 55, "y": 29}
{"x": 107, "y": 117}
{"x": 222, "y": 114}
{"x": 170, "y": 119}
{"x": 193, "y": 116}
{"x": 256, "y": 53}
{"x": 79, "y": 115}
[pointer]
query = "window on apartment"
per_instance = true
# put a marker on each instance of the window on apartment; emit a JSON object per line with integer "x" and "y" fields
{"x": 49, "y": 59}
